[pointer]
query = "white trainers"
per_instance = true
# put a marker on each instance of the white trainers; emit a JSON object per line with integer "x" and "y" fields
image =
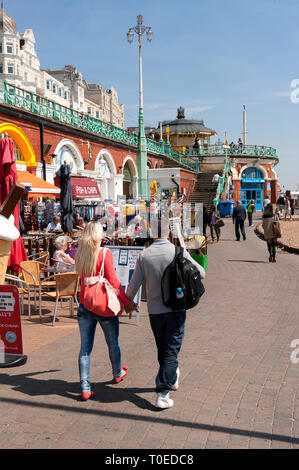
{"x": 164, "y": 401}
{"x": 176, "y": 384}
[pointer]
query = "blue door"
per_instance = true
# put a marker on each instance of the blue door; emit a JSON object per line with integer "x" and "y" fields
{"x": 255, "y": 195}
{"x": 252, "y": 187}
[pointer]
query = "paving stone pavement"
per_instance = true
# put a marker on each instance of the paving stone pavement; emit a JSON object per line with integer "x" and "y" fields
{"x": 238, "y": 387}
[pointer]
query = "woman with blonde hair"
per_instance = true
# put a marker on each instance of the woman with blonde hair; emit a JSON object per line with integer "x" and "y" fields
{"x": 91, "y": 261}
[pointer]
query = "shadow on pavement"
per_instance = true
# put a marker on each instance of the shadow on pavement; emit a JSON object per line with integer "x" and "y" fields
{"x": 246, "y": 261}
{"x": 105, "y": 392}
{"x": 155, "y": 420}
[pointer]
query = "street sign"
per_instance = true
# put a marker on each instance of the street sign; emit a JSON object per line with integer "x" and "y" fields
{"x": 11, "y": 344}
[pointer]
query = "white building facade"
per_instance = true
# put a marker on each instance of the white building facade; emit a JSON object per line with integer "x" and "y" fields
{"x": 20, "y": 66}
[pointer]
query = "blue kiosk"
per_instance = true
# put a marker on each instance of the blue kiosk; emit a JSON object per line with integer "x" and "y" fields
{"x": 252, "y": 187}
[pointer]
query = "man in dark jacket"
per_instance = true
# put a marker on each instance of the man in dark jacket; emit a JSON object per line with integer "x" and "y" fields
{"x": 239, "y": 217}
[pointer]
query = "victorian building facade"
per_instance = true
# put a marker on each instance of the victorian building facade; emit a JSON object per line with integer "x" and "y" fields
{"x": 20, "y": 66}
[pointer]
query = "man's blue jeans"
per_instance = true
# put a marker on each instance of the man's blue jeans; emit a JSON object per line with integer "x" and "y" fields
{"x": 168, "y": 329}
{"x": 240, "y": 225}
{"x": 87, "y": 324}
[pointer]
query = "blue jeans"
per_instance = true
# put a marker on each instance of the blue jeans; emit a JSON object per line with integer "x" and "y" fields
{"x": 240, "y": 225}
{"x": 87, "y": 324}
{"x": 168, "y": 329}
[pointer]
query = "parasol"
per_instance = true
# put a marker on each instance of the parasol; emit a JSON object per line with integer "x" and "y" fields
{"x": 8, "y": 176}
{"x": 66, "y": 198}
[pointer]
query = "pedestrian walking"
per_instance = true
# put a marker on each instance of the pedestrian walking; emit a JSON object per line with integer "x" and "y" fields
{"x": 168, "y": 326}
{"x": 214, "y": 226}
{"x": 270, "y": 231}
{"x": 293, "y": 205}
{"x": 105, "y": 303}
{"x": 250, "y": 211}
{"x": 288, "y": 209}
{"x": 266, "y": 202}
{"x": 239, "y": 217}
{"x": 215, "y": 180}
{"x": 280, "y": 205}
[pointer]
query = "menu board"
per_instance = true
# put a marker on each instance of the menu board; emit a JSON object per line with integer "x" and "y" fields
{"x": 10, "y": 323}
{"x": 125, "y": 259}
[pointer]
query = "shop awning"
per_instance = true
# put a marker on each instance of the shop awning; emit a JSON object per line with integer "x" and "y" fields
{"x": 36, "y": 186}
{"x": 85, "y": 188}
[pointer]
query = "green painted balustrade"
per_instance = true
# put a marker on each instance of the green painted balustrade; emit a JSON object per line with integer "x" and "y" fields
{"x": 248, "y": 150}
{"x": 19, "y": 98}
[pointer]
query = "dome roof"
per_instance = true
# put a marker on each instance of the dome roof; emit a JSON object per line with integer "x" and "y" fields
{"x": 7, "y": 24}
{"x": 182, "y": 125}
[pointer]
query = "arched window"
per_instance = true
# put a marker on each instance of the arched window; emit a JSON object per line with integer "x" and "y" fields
{"x": 252, "y": 173}
{"x": 19, "y": 156}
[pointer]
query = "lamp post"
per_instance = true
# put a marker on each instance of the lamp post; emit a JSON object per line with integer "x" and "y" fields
{"x": 140, "y": 29}
{"x": 226, "y": 148}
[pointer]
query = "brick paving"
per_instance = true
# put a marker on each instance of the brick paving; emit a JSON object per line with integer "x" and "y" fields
{"x": 238, "y": 388}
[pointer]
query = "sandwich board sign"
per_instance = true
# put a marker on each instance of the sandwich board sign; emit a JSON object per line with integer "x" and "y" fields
{"x": 11, "y": 343}
{"x": 125, "y": 259}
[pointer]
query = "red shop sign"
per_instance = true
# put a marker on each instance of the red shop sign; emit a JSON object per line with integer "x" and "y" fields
{"x": 85, "y": 188}
{"x": 10, "y": 323}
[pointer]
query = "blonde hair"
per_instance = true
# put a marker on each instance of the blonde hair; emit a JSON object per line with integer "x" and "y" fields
{"x": 89, "y": 248}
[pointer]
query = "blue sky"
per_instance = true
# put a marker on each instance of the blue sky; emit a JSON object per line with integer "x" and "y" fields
{"x": 210, "y": 57}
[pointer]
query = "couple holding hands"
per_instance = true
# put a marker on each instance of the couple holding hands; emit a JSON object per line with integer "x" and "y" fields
{"x": 104, "y": 305}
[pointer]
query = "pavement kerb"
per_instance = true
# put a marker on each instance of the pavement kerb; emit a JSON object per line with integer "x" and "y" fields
{"x": 258, "y": 231}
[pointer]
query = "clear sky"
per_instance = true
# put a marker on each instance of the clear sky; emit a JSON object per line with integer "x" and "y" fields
{"x": 211, "y": 57}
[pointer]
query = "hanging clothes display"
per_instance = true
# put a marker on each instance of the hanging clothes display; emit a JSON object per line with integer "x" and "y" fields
{"x": 8, "y": 176}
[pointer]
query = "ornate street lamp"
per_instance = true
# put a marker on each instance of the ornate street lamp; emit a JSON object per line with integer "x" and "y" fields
{"x": 140, "y": 29}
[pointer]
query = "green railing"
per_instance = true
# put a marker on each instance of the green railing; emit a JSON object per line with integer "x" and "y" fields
{"x": 248, "y": 150}
{"x": 222, "y": 181}
{"x": 20, "y": 98}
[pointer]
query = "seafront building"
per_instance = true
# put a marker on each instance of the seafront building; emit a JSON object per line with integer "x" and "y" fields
{"x": 56, "y": 116}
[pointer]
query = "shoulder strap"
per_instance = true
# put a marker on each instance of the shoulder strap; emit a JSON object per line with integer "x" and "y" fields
{"x": 102, "y": 271}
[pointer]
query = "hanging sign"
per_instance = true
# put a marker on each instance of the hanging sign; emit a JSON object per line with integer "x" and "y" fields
{"x": 11, "y": 345}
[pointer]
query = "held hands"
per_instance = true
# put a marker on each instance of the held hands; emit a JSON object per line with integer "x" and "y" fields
{"x": 131, "y": 308}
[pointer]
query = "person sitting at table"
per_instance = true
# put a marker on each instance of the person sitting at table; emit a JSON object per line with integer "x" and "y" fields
{"x": 71, "y": 248}
{"x": 54, "y": 226}
{"x": 80, "y": 225}
{"x": 64, "y": 261}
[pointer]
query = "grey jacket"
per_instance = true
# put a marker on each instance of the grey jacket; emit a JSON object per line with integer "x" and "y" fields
{"x": 150, "y": 268}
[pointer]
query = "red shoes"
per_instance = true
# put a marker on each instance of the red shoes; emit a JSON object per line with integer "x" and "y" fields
{"x": 87, "y": 396}
{"x": 124, "y": 374}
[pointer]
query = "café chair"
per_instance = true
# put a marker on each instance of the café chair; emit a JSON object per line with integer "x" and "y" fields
{"x": 66, "y": 288}
{"x": 32, "y": 271}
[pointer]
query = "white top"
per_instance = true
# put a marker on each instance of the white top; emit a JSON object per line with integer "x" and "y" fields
{"x": 54, "y": 227}
{"x": 8, "y": 230}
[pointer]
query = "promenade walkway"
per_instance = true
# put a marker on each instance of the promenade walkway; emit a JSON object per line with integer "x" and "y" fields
{"x": 238, "y": 388}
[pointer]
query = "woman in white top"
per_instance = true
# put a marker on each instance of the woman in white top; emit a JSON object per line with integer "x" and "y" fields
{"x": 65, "y": 262}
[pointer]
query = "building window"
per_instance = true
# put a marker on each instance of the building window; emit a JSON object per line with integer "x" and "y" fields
{"x": 60, "y": 92}
{"x": 97, "y": 115}
{"x": 1, "y": 48}
{"x": 10, "y": 68}
{"x": 54, "y": 88}
{"x": 48, "y": 85}
{"x": 9, "y": 48}
{"x": 1, "y": 68}
{"x": 89, "y": 111}
{"x": 65, "y": 95}
{"x": 19, "y": 154}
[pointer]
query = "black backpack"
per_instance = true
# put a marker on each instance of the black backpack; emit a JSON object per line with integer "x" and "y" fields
{"x": 181, "y": 273}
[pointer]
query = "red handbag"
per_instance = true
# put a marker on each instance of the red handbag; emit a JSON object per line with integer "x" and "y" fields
{"x": 99, "y": 296}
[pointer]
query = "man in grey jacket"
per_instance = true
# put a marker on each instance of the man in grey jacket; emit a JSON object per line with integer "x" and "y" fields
{"x": 167, "y": 326}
